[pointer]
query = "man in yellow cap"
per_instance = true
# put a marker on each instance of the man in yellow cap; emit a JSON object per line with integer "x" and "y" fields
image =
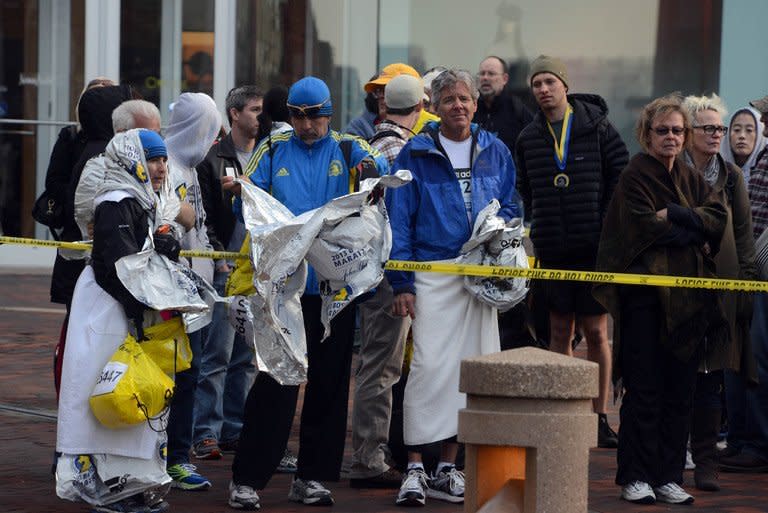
{"x": 364, "y": 125}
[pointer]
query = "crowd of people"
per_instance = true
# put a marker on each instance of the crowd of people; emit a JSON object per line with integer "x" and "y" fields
{"x": 685, "y": 362}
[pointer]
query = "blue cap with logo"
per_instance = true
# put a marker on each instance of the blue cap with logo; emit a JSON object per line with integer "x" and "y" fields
{"x": 310, "y": 97}
{"x": 153, "y": 144}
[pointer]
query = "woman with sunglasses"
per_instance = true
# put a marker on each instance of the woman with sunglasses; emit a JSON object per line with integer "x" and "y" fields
{"x": 736, "y": 260}
{"x": 663, "y": 219}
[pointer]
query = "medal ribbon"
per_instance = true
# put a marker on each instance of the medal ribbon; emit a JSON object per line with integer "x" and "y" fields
{"x": 561, "y": 148}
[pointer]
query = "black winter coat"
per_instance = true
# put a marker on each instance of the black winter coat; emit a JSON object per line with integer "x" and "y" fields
{"x": 566, "y": 221}
{"x": 95, "y": 113}
{"x": 119, "y": 229}
{"x": 220, "y": 221}
{"x": 505, "y": 118}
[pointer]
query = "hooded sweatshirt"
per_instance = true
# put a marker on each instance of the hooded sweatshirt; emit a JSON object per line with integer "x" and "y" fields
{"x": 193, "y": 125}
{"x": 760, "y": 141}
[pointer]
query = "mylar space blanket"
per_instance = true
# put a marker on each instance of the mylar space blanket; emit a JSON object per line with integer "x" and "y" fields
{"x": 346, "y": 241}
{"x": 163, "y": 284}
{"x": 495, "y": 242}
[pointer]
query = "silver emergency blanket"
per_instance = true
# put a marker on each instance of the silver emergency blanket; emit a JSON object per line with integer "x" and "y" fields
{"x": 346, "y": 241}
{"x": 110, "y": 171}
{"x": 163, "y": 284}
{"x": 495, "y": 242}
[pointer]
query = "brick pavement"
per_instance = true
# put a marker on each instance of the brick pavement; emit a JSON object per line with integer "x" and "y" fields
{"x": 29, "y": 325}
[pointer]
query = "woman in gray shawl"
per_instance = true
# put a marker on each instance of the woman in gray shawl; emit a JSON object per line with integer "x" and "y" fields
{"x": 735, "y": 260}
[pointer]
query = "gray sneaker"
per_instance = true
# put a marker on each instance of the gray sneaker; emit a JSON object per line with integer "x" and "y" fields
{"x": 310, "y": 492}
{"x": 243, "y": 497}
{"x": 413, "y": 488}
{"x": 288, "y": 464}
{"x": 447, "y": 485}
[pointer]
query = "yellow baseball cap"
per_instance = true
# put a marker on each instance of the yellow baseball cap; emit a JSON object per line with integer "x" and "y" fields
{"x": 388, "y": 73}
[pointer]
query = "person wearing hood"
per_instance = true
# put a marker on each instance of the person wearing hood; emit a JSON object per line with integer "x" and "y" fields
{"x": 747, "y": 449}
{"x": 569, "y": 159}
{"x": 746, "y": 140}
{"x": 94, "y": 112}
{"x": 735, "y": 260}
{"x": 192, "y": 128}
{"x": 103, "y": 312}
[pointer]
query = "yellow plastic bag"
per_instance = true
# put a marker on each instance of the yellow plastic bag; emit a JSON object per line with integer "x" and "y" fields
{"x": 131, "y": 389}
{"x": 167, "y": 343}
{"x": 240, "y": 281}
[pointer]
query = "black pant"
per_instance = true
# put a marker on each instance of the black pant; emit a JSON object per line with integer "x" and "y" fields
{"x": 656, "y": 408}
{"x": 270, "y": 407}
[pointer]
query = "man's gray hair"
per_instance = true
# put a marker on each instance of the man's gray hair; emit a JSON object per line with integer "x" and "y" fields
{"x": 124, "y": 116}
{"x": 449, "y": 78}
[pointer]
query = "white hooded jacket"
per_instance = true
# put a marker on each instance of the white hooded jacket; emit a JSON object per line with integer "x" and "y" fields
{"x": 192, "y": 129}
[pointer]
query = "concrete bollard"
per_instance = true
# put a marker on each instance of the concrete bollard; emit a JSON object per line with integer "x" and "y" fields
{"x": 528, "y": 427}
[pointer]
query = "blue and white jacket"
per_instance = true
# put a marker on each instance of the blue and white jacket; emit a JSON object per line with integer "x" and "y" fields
{"x": 304, "y": 177}
{"x": 428, "y": 216}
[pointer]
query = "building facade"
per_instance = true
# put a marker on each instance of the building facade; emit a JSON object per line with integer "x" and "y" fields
{"x": 628, "y": 51}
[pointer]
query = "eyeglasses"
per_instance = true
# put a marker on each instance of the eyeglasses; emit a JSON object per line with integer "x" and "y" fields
{"x": 306, "y": 111}
{"x": 481, "y": 74}
{"x": 378, "y": 93}
{"x": 664, "y": 130}
{"x": 711, "y": 129}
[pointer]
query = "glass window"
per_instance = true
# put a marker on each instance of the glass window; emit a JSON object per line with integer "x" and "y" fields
{"x": 626, "y": 51}
{"x": 280, "y": 41}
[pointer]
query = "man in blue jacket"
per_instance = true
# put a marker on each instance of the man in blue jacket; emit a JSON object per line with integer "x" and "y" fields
{"x": 457, "y": 169}
{"x": 304, "y": 169}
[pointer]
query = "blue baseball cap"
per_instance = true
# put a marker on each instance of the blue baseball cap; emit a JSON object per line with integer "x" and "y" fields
{"x": 309, "y": 97}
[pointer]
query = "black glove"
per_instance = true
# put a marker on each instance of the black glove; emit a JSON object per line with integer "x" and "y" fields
{"x": 166, "y": 244}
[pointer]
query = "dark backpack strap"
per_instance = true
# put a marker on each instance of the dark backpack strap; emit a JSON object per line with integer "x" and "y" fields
{"x": 383, "y": 134}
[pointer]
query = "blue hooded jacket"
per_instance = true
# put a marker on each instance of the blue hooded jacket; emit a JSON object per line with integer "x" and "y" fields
{"x": 428, "y": 216}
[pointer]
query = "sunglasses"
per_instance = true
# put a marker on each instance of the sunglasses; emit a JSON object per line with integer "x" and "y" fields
{"x": 711, "y": 129}
{"x": 664, "y": 130}
{"x": 306, "y": 111}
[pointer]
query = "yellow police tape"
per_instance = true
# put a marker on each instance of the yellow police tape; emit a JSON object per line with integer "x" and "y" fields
{"x": 655, "y": 280}
{"x": 83, "y": 246}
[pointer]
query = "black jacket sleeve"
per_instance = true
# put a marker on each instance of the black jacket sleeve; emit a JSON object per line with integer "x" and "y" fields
{"x": 686, "y": 228}
{"x": 210, "y": 190}
{"x": 119, "y": 230}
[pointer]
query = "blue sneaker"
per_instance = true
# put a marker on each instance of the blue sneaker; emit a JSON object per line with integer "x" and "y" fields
{"x": 185, "y": 477}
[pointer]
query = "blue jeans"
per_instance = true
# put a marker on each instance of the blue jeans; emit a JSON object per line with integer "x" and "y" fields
{"x": 748, "y": 406}
{"x": 181, "y": 418}
{"x": 226, "y": 374}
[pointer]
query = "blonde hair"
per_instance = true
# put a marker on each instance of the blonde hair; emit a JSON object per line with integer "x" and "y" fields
{"x": 696, "y": 104}
{"x": 659, "y": 108}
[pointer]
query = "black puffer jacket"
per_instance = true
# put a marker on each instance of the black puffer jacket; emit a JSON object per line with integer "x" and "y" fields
{"x": 566, "y": 221}
{"x": 505, "y": 118}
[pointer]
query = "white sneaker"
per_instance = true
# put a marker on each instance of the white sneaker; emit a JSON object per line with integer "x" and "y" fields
{"x": 413, "y": 488}
{"x": 310, "y": 492}
{"x": 243, "y": 497}
{"x": 672, "y": 493}
{"x": 447, "y": 485}
{"x": 638, "y": 492}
